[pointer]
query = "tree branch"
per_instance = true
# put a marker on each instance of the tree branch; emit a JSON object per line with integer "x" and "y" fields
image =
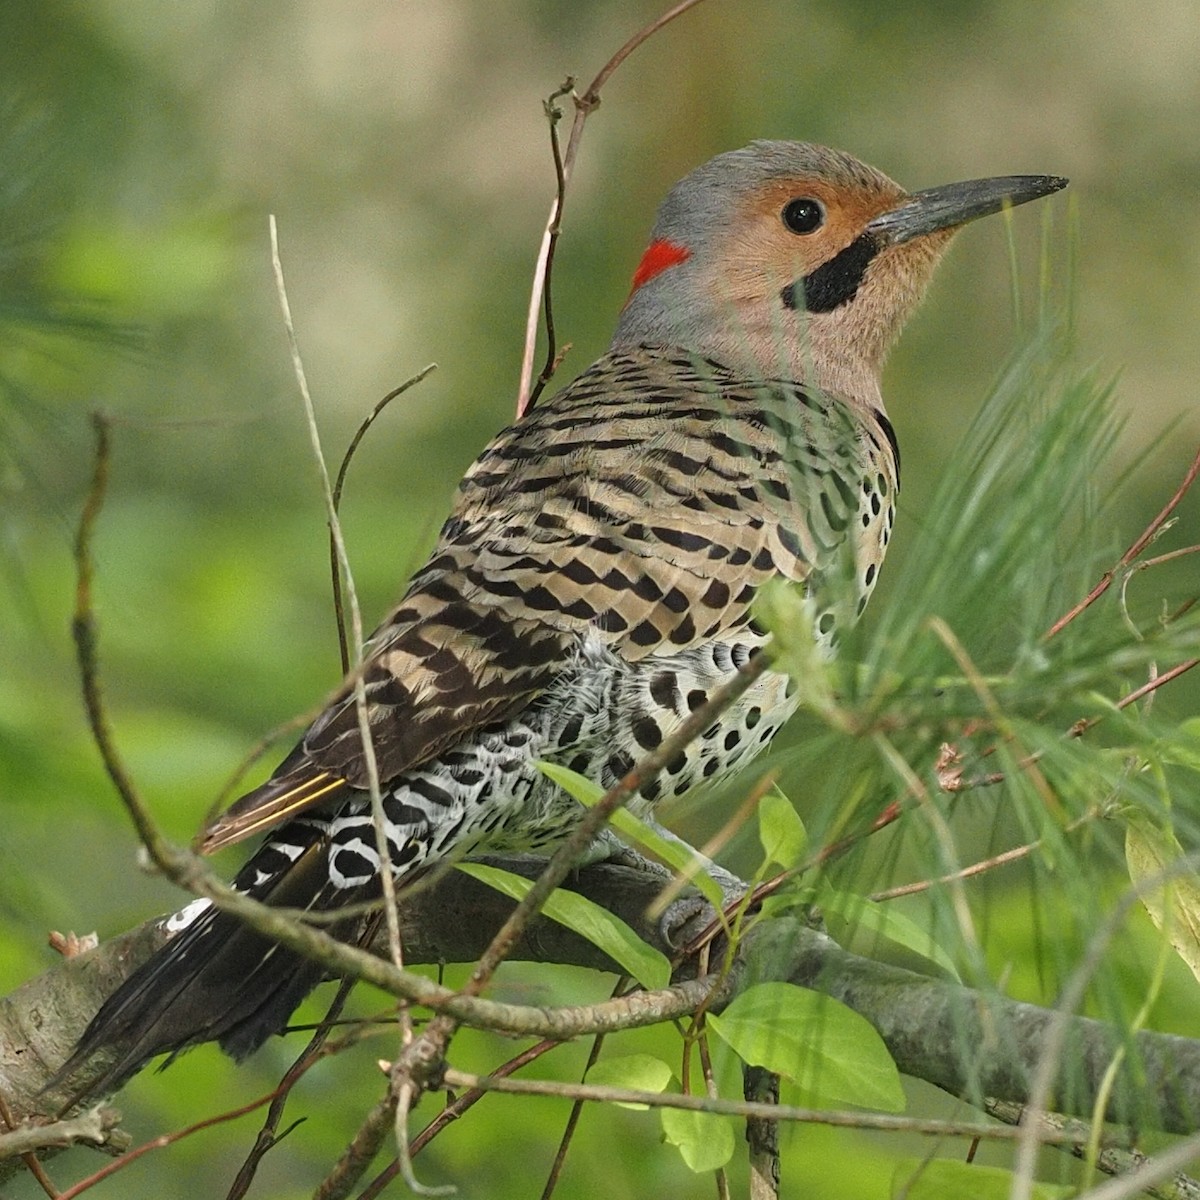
{"x": 92, "y": 1126}
{"x": 970, "y": 1042}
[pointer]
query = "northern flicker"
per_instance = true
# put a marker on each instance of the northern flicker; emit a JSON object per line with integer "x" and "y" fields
{"x": 593, "y": 583}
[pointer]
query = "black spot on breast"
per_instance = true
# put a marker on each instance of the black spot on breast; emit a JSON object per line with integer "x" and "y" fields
{"x": 664, "y": 689}
{"x": 647, "y": 733}
{"x": 620, "y": 764}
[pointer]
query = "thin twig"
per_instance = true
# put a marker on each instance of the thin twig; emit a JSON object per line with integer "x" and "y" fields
{"x": 568, "y": 1134}
{"x": 399, "y": 1098}
{"x": 987, "y": 864}
{"x": 1042, "y": 1079}
{"x": 584, "y": 105}
{"x": 710, "y": 1090}
{"x": 335, "y": 532}
{"x": 1112, "y": 1160}
{"x": 83, "y": 630}
{"x": 269, "y": 1136}
{"x": 1159, "y": 559}
{"x": 1134, "y": 550}
{"x": 361, "y": 1151}
{"x": 30, "y": 1160}
{"x": 451, "y": 1113}
{"x": 740, "y": 1108}
{"x": 553, "y": 115}
{"x": 339, "y": 483}
{"x": 160, "y": 1143}
{"x": 1157, "y": 682}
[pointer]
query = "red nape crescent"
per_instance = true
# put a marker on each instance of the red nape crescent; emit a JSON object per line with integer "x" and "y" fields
{"x": 660, "y": 255}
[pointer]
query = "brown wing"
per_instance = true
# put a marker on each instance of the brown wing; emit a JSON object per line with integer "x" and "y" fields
{"x": 448, "y": 667}
{"x": 643, "y": 505}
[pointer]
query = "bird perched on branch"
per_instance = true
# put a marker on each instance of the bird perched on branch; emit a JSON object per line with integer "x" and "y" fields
{"x": 593, "y": 583}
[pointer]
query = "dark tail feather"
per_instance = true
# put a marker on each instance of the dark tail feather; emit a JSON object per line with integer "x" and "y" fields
{"x": 216, "y": 980}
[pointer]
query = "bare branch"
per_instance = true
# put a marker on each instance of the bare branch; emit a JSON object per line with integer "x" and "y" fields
{"x": 92, "y": 1126}
{"x": 386, "y": 879}
{"x": 268, "y": 1136}
{"x": 335, "y": 570}
{"x": 970, "y": 1043}
{"x": 927, "y": 1127}
{"x": 584, "y": 106}
{"x": 1112, "y": 1160}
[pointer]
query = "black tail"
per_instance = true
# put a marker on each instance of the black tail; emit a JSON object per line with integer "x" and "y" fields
{"x": 215, "y": 980}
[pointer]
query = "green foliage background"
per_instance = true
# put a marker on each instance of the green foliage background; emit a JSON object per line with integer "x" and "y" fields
{"x": 402, "y": 147}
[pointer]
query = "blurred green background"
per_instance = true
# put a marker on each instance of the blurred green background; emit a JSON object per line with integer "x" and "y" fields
{"x": 403, "y": 148}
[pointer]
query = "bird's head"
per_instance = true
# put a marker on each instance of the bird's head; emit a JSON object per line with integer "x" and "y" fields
{"x": 787, "y": 259}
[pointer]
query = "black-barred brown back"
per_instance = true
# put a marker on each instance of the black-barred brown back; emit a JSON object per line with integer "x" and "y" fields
{"x": 644, "y": 504}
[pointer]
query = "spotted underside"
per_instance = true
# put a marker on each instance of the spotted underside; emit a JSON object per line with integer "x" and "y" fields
{"x": 590, "y": 588}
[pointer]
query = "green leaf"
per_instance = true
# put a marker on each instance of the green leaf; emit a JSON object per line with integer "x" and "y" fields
{"x": 643, "y": 1072}
{"x": 704, "y": 1139}
{"x": 882, "y": 932}
{"x": 935, "y": 1179}
{"x": 677, "y": 855}
{"x": 580, "y": 787}
{"x": 831, "y": 1052}
{"x": 780, "y": 830}
{"x": 1175, "y": 905}
{"x": 589, "y": 920}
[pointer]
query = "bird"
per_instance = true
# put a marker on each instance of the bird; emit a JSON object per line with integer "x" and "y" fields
{"x": 594, "y": 582}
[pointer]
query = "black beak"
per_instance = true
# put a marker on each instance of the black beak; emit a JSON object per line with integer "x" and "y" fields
{"x": 956, "y": 204}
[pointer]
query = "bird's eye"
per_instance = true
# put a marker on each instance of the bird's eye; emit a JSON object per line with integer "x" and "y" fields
{"x": 803, "y": 215}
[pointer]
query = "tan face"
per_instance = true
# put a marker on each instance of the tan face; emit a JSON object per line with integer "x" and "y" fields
{"x": 786, "y": 230}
